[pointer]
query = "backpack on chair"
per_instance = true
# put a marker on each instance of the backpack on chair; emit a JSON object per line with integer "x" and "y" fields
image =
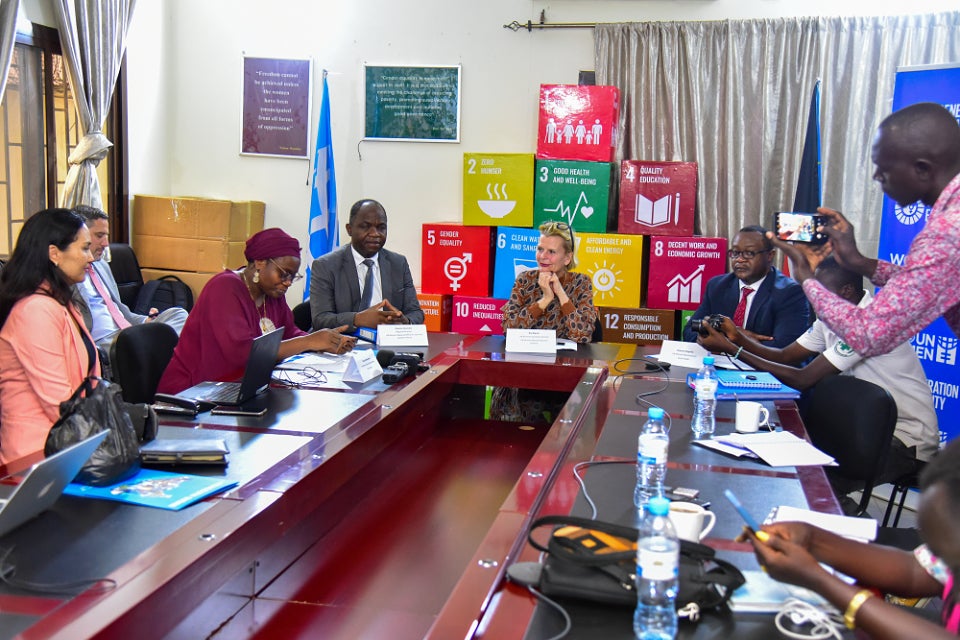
{"x": 164, "y": 293}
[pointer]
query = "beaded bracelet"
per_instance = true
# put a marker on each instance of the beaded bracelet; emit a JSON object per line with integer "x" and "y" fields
{"x": 737, "y": 354}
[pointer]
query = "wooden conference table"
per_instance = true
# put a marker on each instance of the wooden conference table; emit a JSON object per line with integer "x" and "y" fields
{"x": 368, "y": 511}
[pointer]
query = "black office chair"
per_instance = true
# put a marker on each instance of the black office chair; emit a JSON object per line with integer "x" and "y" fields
{"x": 852, "y": 420}
{"x": 126, "y": 271}
{"x": 597, "y": 331}
{"x": 898, "y": 496}
{"x": 302, "y": 316}
{"x": 141, "y": 354}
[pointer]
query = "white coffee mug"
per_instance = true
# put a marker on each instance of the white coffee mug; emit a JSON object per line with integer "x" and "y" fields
{"x": 691, "y": 521}
{"x": 751, "y": 416}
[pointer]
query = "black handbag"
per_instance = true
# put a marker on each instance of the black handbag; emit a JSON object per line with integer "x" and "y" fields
{"x": 593, "y": 560}
{"x": 96, "y": 406}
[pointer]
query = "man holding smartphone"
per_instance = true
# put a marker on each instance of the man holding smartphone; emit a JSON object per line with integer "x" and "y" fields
{"x": 917, "y": 157}
{"x": 769, "y": 306}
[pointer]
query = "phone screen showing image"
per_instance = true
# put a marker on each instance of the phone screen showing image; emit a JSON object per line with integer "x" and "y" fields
{"x": 799, "y": 227}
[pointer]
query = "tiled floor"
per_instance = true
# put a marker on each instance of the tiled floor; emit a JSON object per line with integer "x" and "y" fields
{"x": 878, "y": 505}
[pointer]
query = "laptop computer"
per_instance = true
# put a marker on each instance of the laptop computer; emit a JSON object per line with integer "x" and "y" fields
{"x": 256, "y": 377}
{"x": 44, "y": 483}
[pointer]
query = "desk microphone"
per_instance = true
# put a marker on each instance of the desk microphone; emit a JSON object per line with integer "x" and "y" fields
{"x": 397, "y": 366}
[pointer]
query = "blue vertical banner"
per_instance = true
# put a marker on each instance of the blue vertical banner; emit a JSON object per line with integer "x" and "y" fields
{"x": 324, "y": 230}
{"x": 936, "y": 345}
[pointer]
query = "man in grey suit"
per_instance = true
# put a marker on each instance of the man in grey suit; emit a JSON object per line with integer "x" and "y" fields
{"x": 98, "y": 297}
{"x": 362, "y": 284}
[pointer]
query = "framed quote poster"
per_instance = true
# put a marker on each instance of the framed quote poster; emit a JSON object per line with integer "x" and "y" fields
{"x": 276, "y": 107}
{"x": 412, "y": 103}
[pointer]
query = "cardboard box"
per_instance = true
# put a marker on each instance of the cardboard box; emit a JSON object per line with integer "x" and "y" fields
{"x": 195, "y": 280}
{"x": 615, "y": 264}
{"x": 637, "y": 326}
{"x": 437, "y": 311}
{"x": 657, "y": 197}
{"x": 680, "y": 268}
{"x": 188, "y": 254}
{"x": 577, "y": 193}
{"x": 578, "y": 122}
{"x": 478, "y": 316}
{"x": 196, "y": 218}
{"x": 456, "y": 259}
{"x": 516, "y": 253}
{"x": 498, "y": 189}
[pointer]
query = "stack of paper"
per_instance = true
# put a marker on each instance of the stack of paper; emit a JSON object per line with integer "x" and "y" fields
{"x": 863, "y": 529}
{"x": 776, "y": 448}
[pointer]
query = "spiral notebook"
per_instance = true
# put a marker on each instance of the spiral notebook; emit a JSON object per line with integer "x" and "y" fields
{"x": 747, "y": 380}
{"x": 749, "y": 385}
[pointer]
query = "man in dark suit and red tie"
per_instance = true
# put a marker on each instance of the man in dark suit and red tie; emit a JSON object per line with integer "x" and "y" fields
{"x": 769, "y": 306}
{"x": 362, "y": 284}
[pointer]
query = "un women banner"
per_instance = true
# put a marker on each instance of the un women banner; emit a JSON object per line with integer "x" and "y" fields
{"x": 936, "y": 345}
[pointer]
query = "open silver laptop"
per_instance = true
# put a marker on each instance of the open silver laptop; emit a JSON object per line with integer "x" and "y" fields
{"x": 44, "y": 483}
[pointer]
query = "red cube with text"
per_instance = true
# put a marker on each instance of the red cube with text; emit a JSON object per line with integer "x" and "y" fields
{"x": 657, "y": 197}
{"x": 475, "y": 316}
{"x": 680, "y": 268}
{"x": 578, "y": 122}
{"x": 457, "y": 259}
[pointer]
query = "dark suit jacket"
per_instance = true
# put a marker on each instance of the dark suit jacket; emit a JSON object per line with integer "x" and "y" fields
{"x": 335, "y": 288}
{"x": 779, "y": 307}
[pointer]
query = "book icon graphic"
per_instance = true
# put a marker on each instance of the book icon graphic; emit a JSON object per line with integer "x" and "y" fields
{"x": 654, "y": 213}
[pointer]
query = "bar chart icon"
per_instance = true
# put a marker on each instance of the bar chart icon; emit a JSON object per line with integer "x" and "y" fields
{"x": 686, "y": 289}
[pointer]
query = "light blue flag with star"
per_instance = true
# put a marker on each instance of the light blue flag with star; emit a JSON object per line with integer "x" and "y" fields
{"x": 324, "y": 230}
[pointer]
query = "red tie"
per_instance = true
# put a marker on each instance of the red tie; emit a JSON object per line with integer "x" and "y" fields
{"x": 740, "y": 315}
{"x": 107, "y": 300}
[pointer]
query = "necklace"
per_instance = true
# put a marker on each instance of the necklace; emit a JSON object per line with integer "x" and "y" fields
{"x": 266, "y": 324}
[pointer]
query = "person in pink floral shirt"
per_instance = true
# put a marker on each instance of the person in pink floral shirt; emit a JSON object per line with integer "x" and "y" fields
{"x": 917, "y": 157}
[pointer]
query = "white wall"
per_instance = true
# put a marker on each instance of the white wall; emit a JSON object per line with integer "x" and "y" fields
{"x": 184, "y": 71}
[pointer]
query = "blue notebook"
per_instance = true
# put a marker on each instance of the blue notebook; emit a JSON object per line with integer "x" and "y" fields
{"x": 152, "y": 488}
{"x": 749, "y": 385}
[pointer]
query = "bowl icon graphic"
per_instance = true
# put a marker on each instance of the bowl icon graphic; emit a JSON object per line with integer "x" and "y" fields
{"x": 496, "y": 208}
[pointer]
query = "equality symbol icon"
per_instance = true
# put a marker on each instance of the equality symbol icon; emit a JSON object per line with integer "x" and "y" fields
{"x": 455, "y": 269}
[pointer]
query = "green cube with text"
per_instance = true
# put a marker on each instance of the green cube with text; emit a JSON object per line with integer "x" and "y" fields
{"x": 574, "y": 192}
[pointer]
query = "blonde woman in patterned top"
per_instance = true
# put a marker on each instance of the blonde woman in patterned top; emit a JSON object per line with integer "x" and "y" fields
{"x": 548, "y": 297}
{"x": 552, "y": 297}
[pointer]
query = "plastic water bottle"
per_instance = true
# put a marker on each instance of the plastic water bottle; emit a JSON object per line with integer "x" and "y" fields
{"x": 658, "y": 555}
{"x": 705, "y": 384}
{"x": 651, "y": 458}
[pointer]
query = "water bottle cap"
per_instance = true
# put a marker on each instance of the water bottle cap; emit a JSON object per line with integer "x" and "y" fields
{"x": 658, "y": 506}
{"x": 655, "y": 413}
{"x": 708, "y": 360}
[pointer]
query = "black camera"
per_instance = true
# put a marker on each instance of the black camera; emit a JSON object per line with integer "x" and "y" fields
{"x": 700, "y": 324}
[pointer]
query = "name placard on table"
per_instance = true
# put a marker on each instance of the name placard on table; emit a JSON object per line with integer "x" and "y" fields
{"x": 402, "y": 335}
{"x": 531, "y": 341}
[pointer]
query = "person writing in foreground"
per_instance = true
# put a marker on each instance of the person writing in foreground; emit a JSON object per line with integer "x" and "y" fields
{"x": 552, "y": 297}
{"x": 916, "y": 437}
{"x": 917, "y": 157}
{"x": 237, "y": 306}
{"x": 45, "y": 351}
{"x": 792, "y": 552}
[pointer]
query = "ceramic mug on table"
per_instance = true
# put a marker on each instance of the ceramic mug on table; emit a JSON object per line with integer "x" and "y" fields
{"x": 751, "y": 416}
{"x": 691, "y": 521}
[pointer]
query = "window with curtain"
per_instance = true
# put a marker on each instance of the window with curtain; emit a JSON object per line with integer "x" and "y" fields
{"x": 38, "y": 130}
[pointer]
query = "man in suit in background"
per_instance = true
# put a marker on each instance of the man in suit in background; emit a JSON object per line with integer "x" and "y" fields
{"x": 363, "y": 284}
{"x": 768, "y": 305}
{"x": 98, "y": 297}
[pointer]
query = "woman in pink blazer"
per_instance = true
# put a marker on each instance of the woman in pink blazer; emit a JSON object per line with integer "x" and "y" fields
{"x": 45, "y": 351}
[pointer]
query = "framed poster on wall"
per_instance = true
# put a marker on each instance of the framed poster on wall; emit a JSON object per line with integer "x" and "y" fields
{"x": 276, "y": 107}
{"x": 412, "y": 103}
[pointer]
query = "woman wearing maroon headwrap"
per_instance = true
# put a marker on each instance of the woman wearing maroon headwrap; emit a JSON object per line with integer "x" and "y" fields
{"x": 237, "y": 306}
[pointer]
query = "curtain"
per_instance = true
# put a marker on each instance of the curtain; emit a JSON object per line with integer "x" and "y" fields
{"x": 8, "y": 36}
{"x": 93, "y": 38}
{"x": 734, "y": 97}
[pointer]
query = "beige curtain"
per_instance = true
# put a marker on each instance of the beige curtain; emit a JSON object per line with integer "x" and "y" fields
{"x": 93, "y": 36}
{"x": 734, "y": 96}
{"x": 8, "y": 36}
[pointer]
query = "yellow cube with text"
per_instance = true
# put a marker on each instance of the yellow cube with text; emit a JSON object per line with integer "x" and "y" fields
{"x": 498, "y": 189}
{"x": 614, "y": 263}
